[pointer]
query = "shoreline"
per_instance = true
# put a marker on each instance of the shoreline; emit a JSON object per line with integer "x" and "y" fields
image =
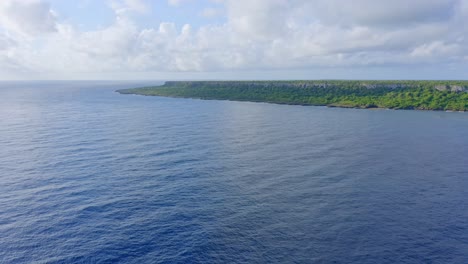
{"x": 398, "y": 95}
{"x": 121, "y": 91}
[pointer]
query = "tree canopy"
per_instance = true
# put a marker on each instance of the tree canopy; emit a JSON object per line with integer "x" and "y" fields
{"x": 423, "y": 95}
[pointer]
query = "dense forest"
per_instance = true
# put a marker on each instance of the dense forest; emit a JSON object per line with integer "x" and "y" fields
{"x": 423, "y": 95}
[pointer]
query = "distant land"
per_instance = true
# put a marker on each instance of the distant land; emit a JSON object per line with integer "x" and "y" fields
{"x": 420, "y": 95}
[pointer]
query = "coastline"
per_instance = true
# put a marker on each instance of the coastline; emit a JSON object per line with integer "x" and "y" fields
{"x": 449, "y": 96}
{"x": 293, "y": 104}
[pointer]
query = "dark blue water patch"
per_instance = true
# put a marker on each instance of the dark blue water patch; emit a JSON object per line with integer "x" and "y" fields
{"x": 91, "y": 176}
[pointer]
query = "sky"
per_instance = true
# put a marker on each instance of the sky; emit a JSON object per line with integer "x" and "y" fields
{"x": 233, "y": 39}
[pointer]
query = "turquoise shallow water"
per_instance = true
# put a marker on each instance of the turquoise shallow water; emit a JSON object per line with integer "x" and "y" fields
{"x": 91, "y": 176}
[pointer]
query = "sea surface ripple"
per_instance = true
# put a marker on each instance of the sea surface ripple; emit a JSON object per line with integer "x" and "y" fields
{"x": 91, "y": 176}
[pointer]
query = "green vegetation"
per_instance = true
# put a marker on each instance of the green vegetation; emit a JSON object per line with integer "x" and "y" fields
{"x": 423, "y": 95}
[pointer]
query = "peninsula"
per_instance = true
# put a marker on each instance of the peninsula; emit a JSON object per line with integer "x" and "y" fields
{"x": 421, "y": 95}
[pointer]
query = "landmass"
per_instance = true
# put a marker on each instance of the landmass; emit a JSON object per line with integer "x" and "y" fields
{"x": 420, "y": 95}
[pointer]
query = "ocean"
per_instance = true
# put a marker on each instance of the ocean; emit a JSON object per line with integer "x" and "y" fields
{"x": 91, "y": 176}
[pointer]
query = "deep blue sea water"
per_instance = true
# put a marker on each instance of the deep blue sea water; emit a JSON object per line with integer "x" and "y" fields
{"x": 91, "y": 176}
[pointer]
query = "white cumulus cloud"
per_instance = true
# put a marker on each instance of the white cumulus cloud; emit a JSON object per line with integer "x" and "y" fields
{"x": 256, "y": 35}
{"x": 29, "y": 17}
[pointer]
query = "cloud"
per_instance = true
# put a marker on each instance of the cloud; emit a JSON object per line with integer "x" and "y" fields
{"x": 256, "y": 35}
{"x": 436, "y": 48}
{"x": 27, "y": 17}
{"x": 381, "y": 13}
{"x": 137, "y": 5}
{"x": 128, "y": 6}
{"x": 6, "y": 42}
{"x": 259, "y": 19}
{"x": 210, "y": 12}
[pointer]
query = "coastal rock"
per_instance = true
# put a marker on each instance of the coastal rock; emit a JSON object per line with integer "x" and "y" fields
{"x": 457, "y": 88}
{"x": 452, "y": 88}
{"x": 441, "y": 87}
{"x": 388, "y": 86}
